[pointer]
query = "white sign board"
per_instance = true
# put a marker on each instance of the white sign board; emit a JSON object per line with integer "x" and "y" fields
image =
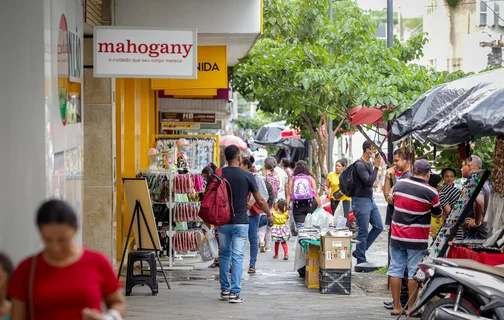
{"x": 124, "y": 52}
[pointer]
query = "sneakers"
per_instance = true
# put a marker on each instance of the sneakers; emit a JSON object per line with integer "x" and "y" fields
{"x": 224, "y": 295}
{"x": 233, "y": 298}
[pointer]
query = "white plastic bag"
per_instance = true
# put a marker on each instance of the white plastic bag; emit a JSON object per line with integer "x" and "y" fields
{"x": 341, "y": 222}
{"x": 318, "y": 217}
{"x": 209, "y": 248}
{"x": 308, "y": 221}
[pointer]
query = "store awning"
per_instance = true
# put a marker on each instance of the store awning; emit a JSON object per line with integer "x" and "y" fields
{"x": 452, "y": 113}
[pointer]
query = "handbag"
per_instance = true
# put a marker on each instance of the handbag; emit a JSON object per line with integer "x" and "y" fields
{"x": 338, "y": 194}
{"x": 255, "y": 210}
{"x": 30, "y": 288}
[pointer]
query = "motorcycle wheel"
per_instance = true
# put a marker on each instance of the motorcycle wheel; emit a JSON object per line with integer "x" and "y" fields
{"x": 448, "y": 303}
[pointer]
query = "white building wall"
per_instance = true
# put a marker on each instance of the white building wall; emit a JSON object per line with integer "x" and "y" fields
{"x": 31, "y": 129}
{"x": 216, "y": 16}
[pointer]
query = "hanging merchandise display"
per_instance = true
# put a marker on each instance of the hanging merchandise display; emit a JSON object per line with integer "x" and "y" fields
{"x": 193, "y": 152}
{"x": 470, "y": 190}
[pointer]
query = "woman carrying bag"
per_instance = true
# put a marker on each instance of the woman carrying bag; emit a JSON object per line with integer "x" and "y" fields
{"x": 332, "y": 188}
{"x": 65, "y": 281}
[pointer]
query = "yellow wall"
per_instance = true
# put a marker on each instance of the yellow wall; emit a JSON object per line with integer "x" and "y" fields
{"x": 135, "y": 129}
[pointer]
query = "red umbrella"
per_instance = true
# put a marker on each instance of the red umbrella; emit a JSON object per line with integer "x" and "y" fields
{"x": 362, "y": 115}
{"x": 228, "y": 140}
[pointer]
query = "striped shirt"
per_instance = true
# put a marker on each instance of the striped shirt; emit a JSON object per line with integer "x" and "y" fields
{"x": 414, "y": 203}
{"x": 449, "y": 195}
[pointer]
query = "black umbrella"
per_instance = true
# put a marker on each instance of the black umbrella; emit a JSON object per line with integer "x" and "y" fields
{"x": 453, "y": 112}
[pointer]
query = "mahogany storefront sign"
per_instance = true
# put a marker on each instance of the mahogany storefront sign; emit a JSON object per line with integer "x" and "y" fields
{"x": 145, "y": 52}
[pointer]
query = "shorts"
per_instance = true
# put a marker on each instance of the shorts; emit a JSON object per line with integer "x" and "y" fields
{"x": 401, "y": 258}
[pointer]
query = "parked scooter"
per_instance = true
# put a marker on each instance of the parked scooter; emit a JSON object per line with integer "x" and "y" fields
{"x": 467, "y": 290}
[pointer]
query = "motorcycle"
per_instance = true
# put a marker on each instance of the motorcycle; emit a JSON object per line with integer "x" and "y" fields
{"x": 467, "y": 290}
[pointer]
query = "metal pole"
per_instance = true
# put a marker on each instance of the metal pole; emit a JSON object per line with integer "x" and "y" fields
{"x": 330, "y": 120}
{"x": 390, "y": 43}
{"x": 390, "y": 23}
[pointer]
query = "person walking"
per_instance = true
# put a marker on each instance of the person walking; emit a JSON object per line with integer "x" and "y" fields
{"x": 254, "y": 215}
{"x": 280, "y": 231}
{"x": 474, "y": 228}
{"x": 65, "y": 281}
{"x": 6, "y": 269}
{"x": 264, "y": 225}
{"x": 233, "y": 236}
{"x": 302, "y": 192}
{"x": 275, "y": 176}
{"x": 414, "y": 204}
{"x": 363, "y": 205}
{"x": 332, "y": 188}
{"x": 285, "y": 165}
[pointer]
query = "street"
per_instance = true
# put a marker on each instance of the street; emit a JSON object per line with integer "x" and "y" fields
{"x": 274, "y": 292}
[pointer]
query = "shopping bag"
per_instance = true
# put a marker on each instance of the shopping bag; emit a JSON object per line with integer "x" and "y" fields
{"x": 209, "y": 248}
{"x": 318, "y": 217}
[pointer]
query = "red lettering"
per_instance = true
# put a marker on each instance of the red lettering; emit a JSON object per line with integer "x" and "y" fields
{"x": 120, "y": 47}
{"x": 106, "y": 47}
{"x": 176, "y": 46}
{"x": 164, "y": 48}
{"x": 142, "y": 48}
{"x": 131, "y": 45}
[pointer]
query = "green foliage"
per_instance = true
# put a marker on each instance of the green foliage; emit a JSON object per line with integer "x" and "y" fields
{"x": 251, "y": 123}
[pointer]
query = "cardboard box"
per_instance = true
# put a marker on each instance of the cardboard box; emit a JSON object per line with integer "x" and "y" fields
{"x": 335, "y": 253}
{"x": 312, "y": 267}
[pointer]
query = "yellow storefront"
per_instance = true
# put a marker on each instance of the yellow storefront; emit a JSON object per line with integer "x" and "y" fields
{"x": 138, "y": 123}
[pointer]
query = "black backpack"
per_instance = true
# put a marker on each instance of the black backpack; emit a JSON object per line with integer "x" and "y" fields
{"x": 348, "y": 182}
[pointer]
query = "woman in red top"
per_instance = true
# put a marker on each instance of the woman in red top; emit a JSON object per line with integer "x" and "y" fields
{"x": 64, "y": 281}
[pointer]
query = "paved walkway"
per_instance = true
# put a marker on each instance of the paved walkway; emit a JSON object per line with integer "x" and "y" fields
{"x": 274, "y": 292}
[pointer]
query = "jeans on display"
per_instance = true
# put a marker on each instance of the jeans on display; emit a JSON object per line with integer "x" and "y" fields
{"x": 233, "y": 240}
{"x": 366, "y": 212}
{"x": 253, "y": 235}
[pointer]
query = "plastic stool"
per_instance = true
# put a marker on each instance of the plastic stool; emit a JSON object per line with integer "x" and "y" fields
{"x": 150, "y": 279}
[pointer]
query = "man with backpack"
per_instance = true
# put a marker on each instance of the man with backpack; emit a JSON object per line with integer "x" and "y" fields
{"x": 365, "y": 210}
{"x": 233, "y": 236}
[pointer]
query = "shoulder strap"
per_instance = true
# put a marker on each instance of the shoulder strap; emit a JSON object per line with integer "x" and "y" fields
{"x": 30, "y": 287}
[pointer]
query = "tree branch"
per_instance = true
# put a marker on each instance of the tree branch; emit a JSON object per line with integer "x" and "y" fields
{"x": 438, "y": 150}
{"x": 373, "y": 143}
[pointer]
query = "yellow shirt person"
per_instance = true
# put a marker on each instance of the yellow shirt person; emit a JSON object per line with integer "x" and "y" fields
{"x": 333, "y": 180}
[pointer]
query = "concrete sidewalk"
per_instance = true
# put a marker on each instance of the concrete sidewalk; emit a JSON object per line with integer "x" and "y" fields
{"x": 274, "y": 292}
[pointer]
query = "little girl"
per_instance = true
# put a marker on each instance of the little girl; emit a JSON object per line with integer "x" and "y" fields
{"x": 280, "y": 231}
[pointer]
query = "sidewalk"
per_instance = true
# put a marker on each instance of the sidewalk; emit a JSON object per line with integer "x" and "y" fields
{"x": 274, "y": 292}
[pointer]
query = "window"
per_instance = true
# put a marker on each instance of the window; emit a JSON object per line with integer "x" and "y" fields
{"x": 489, "y": 13}
{"x": 482, "y": 10}
{"x": 454, "y": 64}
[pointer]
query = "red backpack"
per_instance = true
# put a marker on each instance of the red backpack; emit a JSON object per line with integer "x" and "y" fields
{"x": 217, "y": 205}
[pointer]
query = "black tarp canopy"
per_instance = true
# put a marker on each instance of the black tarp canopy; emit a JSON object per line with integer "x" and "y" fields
{"x": 271, "y": 135}
{"x": 453, "y": 112}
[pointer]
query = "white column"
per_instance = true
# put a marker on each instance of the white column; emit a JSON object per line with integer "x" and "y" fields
{"x": 22, "y": 125}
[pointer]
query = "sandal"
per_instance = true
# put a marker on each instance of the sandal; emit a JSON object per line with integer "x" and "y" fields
{"x": 275, "y": 257}
{"x": 215, "y": 264}
{"x": 267, "y": 249}
{"x": 286, "y": 258}
{"x": 251, "y": 270}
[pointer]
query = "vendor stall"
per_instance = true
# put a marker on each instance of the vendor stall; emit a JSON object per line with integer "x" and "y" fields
{"x": 451, "y": 114}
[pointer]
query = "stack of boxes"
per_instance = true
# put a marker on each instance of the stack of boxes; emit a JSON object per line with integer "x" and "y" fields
{"x": 335, "y": 275}
{"x": 329, "y": 267}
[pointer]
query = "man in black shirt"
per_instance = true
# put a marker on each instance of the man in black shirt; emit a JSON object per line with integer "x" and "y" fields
{"x": 365, "y": 210}
{"x": 233, "y": 236}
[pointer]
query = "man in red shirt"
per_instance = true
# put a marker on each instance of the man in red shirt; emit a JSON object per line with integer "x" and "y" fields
{"x": 414, "y": 203}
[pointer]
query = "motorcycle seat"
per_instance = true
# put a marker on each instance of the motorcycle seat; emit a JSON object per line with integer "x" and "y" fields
{"x": 474, "y": 265}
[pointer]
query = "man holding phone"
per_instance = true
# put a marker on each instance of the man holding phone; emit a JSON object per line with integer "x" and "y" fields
{"x": 364, "y": 207}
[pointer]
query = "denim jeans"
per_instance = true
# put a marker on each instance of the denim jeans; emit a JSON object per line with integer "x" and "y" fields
{"x": 253, "y": 236}
{"x": 233, "y": 240}
{"x": 366, "y": 212}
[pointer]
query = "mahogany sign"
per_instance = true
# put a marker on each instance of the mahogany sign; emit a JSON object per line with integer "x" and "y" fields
{"x": 145, "y": 53}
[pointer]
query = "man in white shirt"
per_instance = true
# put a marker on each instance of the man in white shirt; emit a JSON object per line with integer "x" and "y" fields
{"x": 284, "y": 179}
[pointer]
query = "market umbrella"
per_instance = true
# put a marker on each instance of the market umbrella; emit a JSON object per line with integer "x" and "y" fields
{"x": 228, "y": 140}
{"x": 362, "y": 115}
{"x": 451, "y": 113}
{"x": 270, "y": 132}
